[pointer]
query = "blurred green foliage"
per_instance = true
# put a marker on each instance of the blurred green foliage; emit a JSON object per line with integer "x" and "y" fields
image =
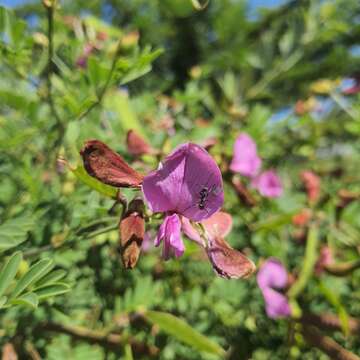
{"x": 174, "y": 72}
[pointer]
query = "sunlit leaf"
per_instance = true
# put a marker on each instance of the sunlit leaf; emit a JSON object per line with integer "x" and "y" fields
{"x": 52, "y": 290}
{"x": 38, "y": 270}
{"x": 198, "y": 5}
{"x": 182, "y": 331}
{"x": 29, "y": 299}
{"x": 9, "y": 271}
{"x": 52, "y": 277}
{"x": 96, "y": 185}
{"x": 332, "y": 297}
{"x": 13, "y": 232}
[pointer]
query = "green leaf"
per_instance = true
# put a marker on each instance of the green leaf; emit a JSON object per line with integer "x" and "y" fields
{"x": 96, "y": 185}
{"x": 98, "y": 73}
{"x": 128, "y": 352}
{"x": 308, "y": 263}
{"x": 102, "y": 26}
{"x": 3, "y": 300}
{"x": 273, "y": 222}
{"x": 50, "y": 278}
{"x": 198, "y": 6}
{"x": 29, "y": 299}
{"x": 52, "y": 290}
{"x": 131, "y": 70}
{"x": 120, "y": 103}
{"x": 334, "y": 300}
{"x": 36, "y": 271}
{"x": 13, "y": 232}
{"x": 9, "y": 271}
{"x": 182, "y": 331}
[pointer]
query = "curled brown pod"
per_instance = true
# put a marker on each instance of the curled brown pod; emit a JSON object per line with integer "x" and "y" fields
{"x": 107, "y": 166}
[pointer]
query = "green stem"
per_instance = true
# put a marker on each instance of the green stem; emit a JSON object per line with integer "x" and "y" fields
{"x": 59, "y": 125}
{"x": 308, "y": 263}
{"x": 104, "y": 89}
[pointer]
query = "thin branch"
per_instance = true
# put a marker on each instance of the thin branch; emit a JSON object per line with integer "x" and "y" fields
{"x": 330, "y": 322}
{"x": 111, "y": 341}
{"x": 50, "y": 70}
{"x": 104, "y": 89}
{"x": 327, "y": 345}
{"x": 69, "y": 243}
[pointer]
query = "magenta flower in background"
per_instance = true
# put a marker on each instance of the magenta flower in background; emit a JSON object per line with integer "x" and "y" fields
{"x": 83, "y": 58}
{"x": 247, "y": 163}
{"x": 268, "y": 184}
{"x": 189, "y": 184}
{"x": 246, "y": 160}
{"x": 271, "y": 276}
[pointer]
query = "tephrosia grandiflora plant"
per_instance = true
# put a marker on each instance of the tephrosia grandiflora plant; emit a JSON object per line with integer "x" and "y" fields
{"x": 186, "y": 188}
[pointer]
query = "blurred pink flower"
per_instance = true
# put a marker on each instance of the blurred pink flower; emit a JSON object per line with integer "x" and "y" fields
{"x": 268, "y": 184}
{"x": 271, "y": 276}
{"x": 325, "y": 258}
{"x": 354, "y": 87}
{"x": 245, "y": 160}
{"x": 302, "y": 218}
{"x": 147, "y": 243}
{"x": 189, "y": 184}
{"x": 82, "y": 59}
{"x": 312, "y": 185}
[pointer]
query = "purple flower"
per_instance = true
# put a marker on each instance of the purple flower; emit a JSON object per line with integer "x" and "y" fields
{"x": 271, "y": 276}
{"x": 268, "y": 184}
{"x": 189, "y": 184}
{"x": 169, "y": 232}
{"x": 246, "y": 160}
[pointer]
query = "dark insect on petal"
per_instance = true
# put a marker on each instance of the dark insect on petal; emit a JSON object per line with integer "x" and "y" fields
{"x": 228, "y": 262}
{"x": 107, "y": 166}
{"x": 136, "y": 145}
{"x": 132, "y": 231}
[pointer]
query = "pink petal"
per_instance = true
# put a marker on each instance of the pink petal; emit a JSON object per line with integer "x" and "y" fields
{"x": 276, "y": 304}
{"x": 190, "y": 231}
{"x": 169, "y": 232}
{"x": 272, "y": 274}
{"x": 268, "y": 184}
{"x": 218, "y": 225}
{"x": 186, "y": 173}
{"x": 162, "y": 187}
{"x": 245, "y": 161}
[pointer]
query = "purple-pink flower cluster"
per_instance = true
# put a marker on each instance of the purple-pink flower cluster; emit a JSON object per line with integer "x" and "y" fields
{"x": 247, "y": 162}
